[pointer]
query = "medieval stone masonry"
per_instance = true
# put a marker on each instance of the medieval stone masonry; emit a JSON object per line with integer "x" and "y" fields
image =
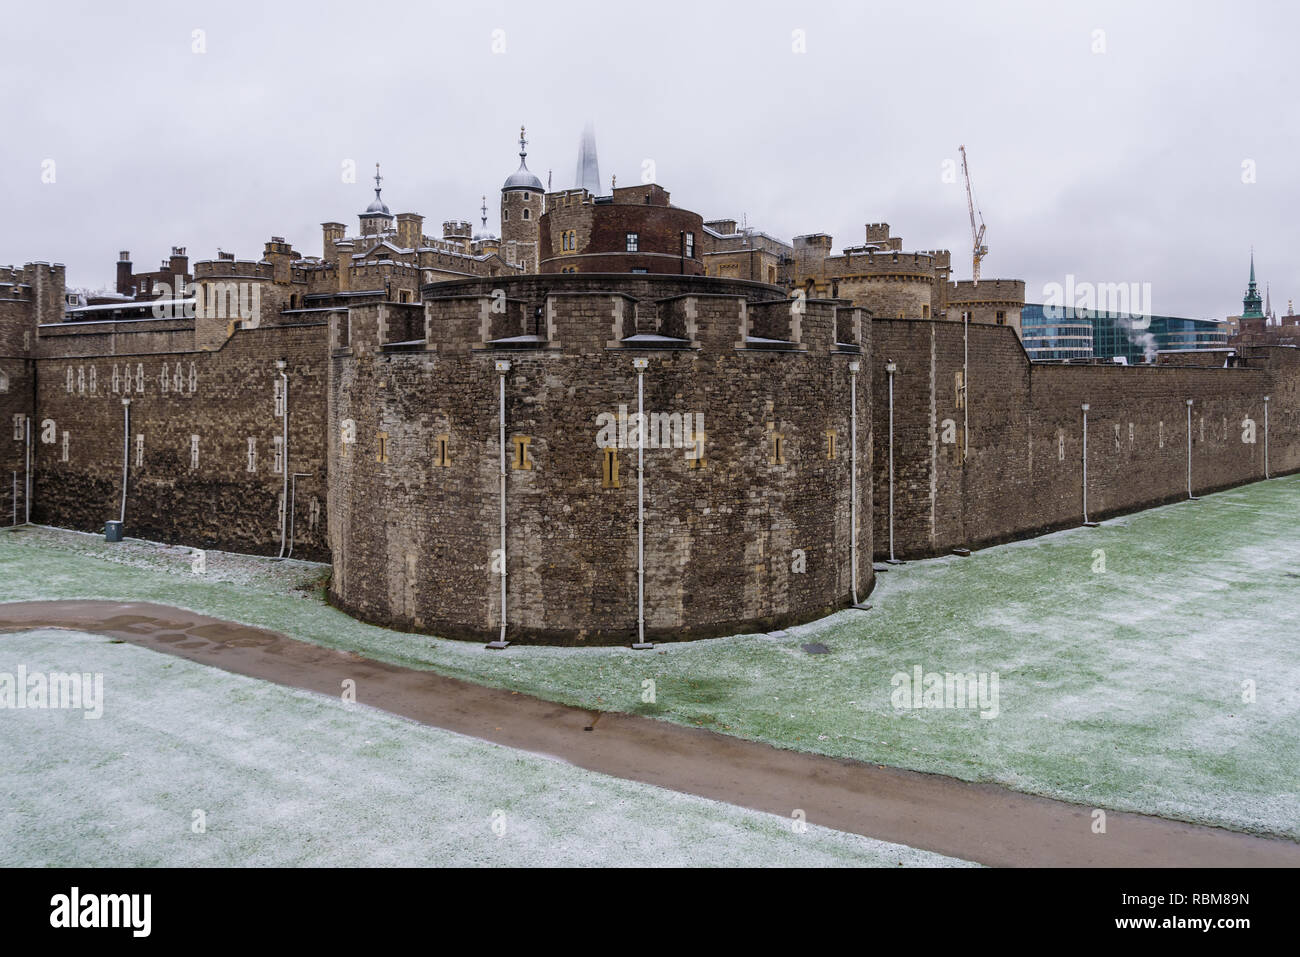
{"x": 434, "y": 416}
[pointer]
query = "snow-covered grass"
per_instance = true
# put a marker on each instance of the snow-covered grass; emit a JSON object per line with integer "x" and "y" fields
{"x": 281, "y": 777}
{"x": 1121, "y": 688}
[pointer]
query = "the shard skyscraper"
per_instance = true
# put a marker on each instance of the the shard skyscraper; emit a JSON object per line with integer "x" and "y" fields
{"x": 588, "y": 174}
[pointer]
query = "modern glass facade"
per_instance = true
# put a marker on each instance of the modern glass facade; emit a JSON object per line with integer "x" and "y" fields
{"x": 1054, "y": 338}
{"x": 1065, "y": 333}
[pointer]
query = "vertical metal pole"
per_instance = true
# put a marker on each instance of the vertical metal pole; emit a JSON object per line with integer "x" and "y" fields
{"x": 1085, "y": 463}
{"x": 27, "y": 493}
{"x": 640, "y": 508}
{"x": 1266, "y": 436}
{"x": 15, "y": 497}
{"x": 640, "y": 365}
{"x": 284, "y": 454}
{"x": 126, "y": 453}
{"x": 853, "y": 480}
{"x": 503, "y": 367}
{"x": 891, "y": 467}
{"x": 965, "y": 385}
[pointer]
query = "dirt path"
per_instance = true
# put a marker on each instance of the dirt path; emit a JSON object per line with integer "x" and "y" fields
{"x": 976, "y": 822}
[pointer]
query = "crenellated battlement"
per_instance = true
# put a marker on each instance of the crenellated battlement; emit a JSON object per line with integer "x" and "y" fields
{"x": 1001, "y": 291}
{"x": 868, "y": 261}
{"x": 233, "y": 269}
{"x": 584, "y": 314}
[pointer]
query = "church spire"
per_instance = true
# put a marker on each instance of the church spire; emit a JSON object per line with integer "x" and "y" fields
{"x": 1251, "y": 303}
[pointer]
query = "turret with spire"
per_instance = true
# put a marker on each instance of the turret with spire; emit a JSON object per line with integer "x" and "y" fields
{"x": 522, "y": 205}
{"x": 1251, "y": 303}
{"x": 376, "y": 219}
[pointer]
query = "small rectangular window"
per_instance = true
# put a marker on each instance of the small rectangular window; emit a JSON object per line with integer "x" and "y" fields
{"x": 442, "y": 457}
{"x": 609, "y": 468}
{"x": 279, "y": 397}
{"x": 139, "y": 449}
{"x": 633, "y": 242}
{"x": 252, "y": 455}
{"x": 690, "y": 245}
{"x": 382, "y": 454}
{"x": 194, "y": 451}
{"x": 830, "y": 443}
{"x": 522, "y": 460}
{"x": 277, "y": 462}
{"x": 65, "y": 445}
{"x": 20, "y": 426}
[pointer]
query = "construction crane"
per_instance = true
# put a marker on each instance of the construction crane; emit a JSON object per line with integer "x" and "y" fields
{"x": 977, "y": 232}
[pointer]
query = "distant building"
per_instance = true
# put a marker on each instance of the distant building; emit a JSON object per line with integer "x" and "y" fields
{"x": 1047, "y": 339}
{"x": 1058, "y": 333}
{"x": 635, "y": 229}
{"x": 742, "y": 253}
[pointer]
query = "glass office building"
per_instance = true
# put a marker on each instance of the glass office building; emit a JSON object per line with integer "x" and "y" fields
{"x": 1063, "y": 333}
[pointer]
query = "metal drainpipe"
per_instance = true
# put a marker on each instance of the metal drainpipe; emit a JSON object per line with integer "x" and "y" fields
{"x": 27, "y": 476}
{"x": 853, "y": 479}
{"x": 284, "y": 454}
{"x": 1189, "y": 450}
{"x": 502, "y": 367}
{"x": 640, "y": 365}
{"x": 890, "y": 369}
{"x": 1085, "y": 463}
{"x": 126, "y": 453}
{"x": 1265, "y": 436}
{"x": 965, "y": 384}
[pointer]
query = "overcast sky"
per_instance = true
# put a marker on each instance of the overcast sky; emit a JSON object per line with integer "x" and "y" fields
{"x": 1117, "y": 166}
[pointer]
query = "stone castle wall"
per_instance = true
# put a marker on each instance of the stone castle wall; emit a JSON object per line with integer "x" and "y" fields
{"x": 1023, "y": 473}
{"x": 755, "y": 537}
{"x": 224, "y": 497}
{"x": 393, "y": 421}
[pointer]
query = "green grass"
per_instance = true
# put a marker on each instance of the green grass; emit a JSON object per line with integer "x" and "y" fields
{"x": 284, "y": 777}
{"x": 1119, "y": 689}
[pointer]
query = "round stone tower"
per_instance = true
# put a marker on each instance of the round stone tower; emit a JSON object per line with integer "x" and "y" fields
{"x": 522, "y": 205}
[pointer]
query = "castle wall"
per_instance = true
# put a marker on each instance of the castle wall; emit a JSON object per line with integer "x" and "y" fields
{"x": 224, "y": 397}
{"x": 17, "y": 384}
{"x": 29, "y": 295}
{"x": 1023, "y": 474}
{"x": 756, "y": 538}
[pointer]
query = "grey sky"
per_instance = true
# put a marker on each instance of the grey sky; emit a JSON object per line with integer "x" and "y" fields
{"x": 1122, "y": 166}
